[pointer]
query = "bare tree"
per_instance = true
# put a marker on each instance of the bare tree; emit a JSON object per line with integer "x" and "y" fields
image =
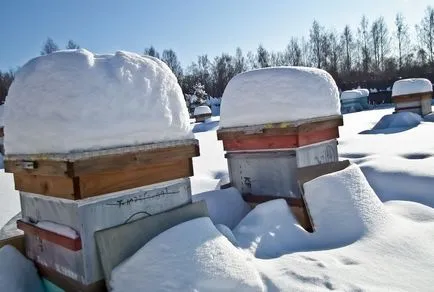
{"x": 335, "y": 52}
{"x": 263, "y": 57}
{"x": 347, "y": 44}
{"x": 364, "y": 41}
{"x": 222, "y": 71}
{"x": 293, "y": 55}
{"x": 151, "y": 51}
{"x": 169, "y": 57}
{"x": 316, "y": 42}
{"x": 426, "y": 33}
{"x": 402, "y": 38}
{"x": 72, "y": 45}
{"x": 240, "y": 64}
{"x": 49, "y": 47}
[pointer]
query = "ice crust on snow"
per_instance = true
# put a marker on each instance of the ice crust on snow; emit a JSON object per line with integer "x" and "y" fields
{"x": 58, "y": 229}
{"x": 412, "y": 85}
{"x": 279, "y": 94}
{"x": 202, "y": 110}
{"x": 17, "y": 273}
{"x": 398, "y": 120}
{"x": 192, "y": 256}
{"x": 74, "y": 100}
{"x": 351, "y": 94}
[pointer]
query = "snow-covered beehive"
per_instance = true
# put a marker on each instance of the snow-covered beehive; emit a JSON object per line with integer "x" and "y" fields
{"x": 201, "y": 113}
{"x": 354, "y": 100}
{"x": 274, "y": 121}
{"x": 94, "y": 141}
{"x": 413, "y": 95}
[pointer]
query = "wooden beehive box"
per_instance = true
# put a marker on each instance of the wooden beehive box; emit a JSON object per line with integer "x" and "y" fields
{"x": 263, "y": 159}
{"x": 202, "y": 117}
{"x": 419, "y": 103}
{"x": 82, "y": 175}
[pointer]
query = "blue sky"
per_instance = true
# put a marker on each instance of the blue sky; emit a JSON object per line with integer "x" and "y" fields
{"x": 190, "y": 27}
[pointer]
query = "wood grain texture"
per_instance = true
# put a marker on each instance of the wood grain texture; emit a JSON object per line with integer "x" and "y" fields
{"x": 105, "y": 163}
{"x": 61, "y": 187}
{"x": 98, "y": 184}
{"x": 66, "y": 242}
{"x": 42, "y": 167}
{"x": 260, "y": 142}
{"x": 411, "y": 97}
{"x": 317, "y": 136}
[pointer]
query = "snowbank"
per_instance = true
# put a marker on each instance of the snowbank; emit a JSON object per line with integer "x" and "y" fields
{"x": 192, "y": 256}
{"x": 224, "y": 206}
{"x": 398, "y": 120}
{"x": 278, "y": 94}
{"x": 202, "y": 110}
{"x": 17, "y": 273}
{"x": 74, "y": 100}
{"x": 409, "y": 86}
{"x": 364, "y": 91}
{"x": 351, "y": 94}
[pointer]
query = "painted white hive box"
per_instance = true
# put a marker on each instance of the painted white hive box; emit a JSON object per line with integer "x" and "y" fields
{"x": 90, "y": 215}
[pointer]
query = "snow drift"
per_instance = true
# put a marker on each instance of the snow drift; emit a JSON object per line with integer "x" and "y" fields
{"x": 398, "y": 120}
{"x": 73, "y": 100}
{"x": 364, "y": 91}
{"x": 412, "y": 85}
{"x": 280, "y": 94}
{"x": 192, "y": 256}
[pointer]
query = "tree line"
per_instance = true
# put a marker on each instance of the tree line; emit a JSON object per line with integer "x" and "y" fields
{"x": 370, "y": 52}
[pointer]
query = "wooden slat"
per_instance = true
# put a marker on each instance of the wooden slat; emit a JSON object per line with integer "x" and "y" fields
{"x": 98, "y": 184}
{"x": 62, "y": 187}
{"x": 68, "y": 284}
{"x": 255, "y": 143}
{"x": 280, "y": 129}
{"x": 2, "y": 132}
{"x": 104, "y": 163}
{"x": 42, "y": 167}
{"x": 66, "y": 242}
{"x": 318, "y": 136}
{"x": 411, "y": 97}
{"x": 129, "y": 161}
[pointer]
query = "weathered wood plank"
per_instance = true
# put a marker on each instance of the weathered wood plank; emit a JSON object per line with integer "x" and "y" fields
{"x": 73, "y": 244}
{"x": 62, "y": 187}
{"x": 320, "y": 126}
{"x": 130, "y": 161}
{"x": 411, "y": 97}
{"x": 101, "y": 164}
{"x": 258, "y": 199}
{"x": 98, "y": 184}
{"x": 318, "y": 136}
{"x": 15, "y": 241}
{"x": 260, "y": 142}
{"x": 41, "y": 167}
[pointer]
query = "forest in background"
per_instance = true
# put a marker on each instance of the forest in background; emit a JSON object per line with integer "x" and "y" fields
{"x": 371, "y": 55}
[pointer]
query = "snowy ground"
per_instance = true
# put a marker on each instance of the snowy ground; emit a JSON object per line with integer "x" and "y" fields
{"x": 366, "y": 239}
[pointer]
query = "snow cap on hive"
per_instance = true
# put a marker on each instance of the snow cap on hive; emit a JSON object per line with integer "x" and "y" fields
{"x": 75, "y": 100}
{"x": 410, "y": 86}
{"x": 364, "y": 92}
{"x": 279, "y": 94}
{"x": 351, "y": 94}
{"x": 202, "y": 110}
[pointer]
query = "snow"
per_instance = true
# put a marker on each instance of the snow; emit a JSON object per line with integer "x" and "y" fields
{"x": 364, "y": 91}
{"x": 202, "y": 110}
{"x": 270, "y": 95}
{"x": 9, "y": 198}
{"x": 398, "y": 120}
{"x": 58, "y": 229}
{"x": 192, "y": 256}
{"x": 74, "y": 100}
{"x": 2, "y": 120}
{"x": 412, "y": 85}
{"x": 224, "y": 206}
{"x": 351, "y": 94}
{"x": 17, "y": 273}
